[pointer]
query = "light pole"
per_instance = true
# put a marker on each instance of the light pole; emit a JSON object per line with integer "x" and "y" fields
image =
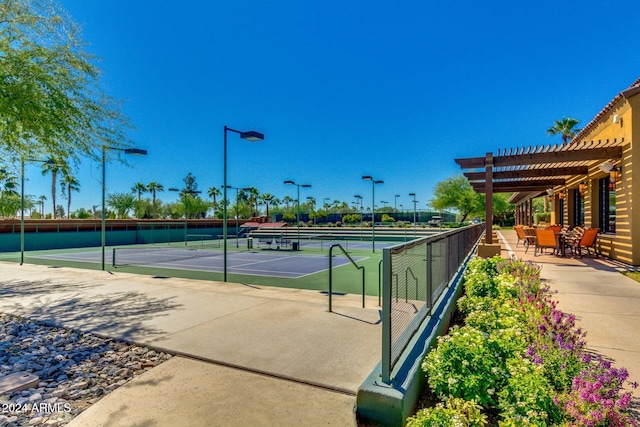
{"x": 237, "y": 199}
{"x": 395, "y": 202}
{"x": 414, "y": 208}
{"x": 248, "y": 136}
{"x": 373, "y": 210}
{"x": 289, "y": 182}
{"x": 133, "y": 152}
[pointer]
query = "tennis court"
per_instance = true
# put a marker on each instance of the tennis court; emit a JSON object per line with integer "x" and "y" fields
{"x": 259, "y": 263}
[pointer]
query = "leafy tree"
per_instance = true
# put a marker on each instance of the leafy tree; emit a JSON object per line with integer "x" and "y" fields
{"x": 196, "y": 206}
{"x": 387, "y": 218}
{"x": 82, "y": 213}
{"x": 456, "y": 193}
{"x": 68, "y": 184}
{"x": 122, "y": 203}
{"x": 566, "y": 128}
{"x": 51, "y": 102}
{"x": 351, "y": 218}
{"x": 8, "y": 189}
{"x": 143, "y": 209}
{"x": 59, "y": 212}
{"x": 503, "y": 211}
{"x": 10, "y": 205}
{"x": 190, "y": 185}
{"x": 289, "y": 217}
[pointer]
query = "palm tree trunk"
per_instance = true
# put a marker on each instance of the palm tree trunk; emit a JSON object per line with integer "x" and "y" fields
{"x": 54, "y": 178}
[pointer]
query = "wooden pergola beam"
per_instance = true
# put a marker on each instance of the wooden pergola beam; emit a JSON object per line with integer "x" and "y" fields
{"x": 543, "y": 158}
{"x": 481, "y": 190}
{"x": 530, "y": 173}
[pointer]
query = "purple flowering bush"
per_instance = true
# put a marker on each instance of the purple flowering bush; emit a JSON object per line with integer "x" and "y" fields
{"x": 521, "y": 357}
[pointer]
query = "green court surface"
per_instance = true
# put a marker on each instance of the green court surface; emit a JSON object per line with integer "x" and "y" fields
{"x": 346, "y": 278}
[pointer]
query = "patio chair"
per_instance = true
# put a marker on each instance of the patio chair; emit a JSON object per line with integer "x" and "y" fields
{"x": 587, "y": 241}
{"x": 520, "y": 233}
{"x": 530, "y": 236}
{"x": 545, "y": 238}
{"x": 556, "y": 228}
{"x": 573, "y": 236}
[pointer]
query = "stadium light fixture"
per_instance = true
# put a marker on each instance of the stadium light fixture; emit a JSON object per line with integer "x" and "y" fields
{"x": 414, "y": 208}
{"x": 290, "y": 182}
{"x": 252, "y": 136}
{"x": 373, "y": 209}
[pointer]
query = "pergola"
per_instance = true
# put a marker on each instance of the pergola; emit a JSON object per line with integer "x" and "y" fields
{"x": 528, "y": 172}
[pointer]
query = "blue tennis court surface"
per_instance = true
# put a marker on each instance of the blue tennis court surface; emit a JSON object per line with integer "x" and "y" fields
{"x": 263, "y": 263}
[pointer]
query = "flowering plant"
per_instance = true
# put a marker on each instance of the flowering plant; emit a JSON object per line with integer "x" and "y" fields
{"x": 519, "y": 354}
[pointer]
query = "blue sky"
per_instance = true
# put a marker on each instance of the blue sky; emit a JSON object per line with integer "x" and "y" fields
{"x": 340, "y": 89}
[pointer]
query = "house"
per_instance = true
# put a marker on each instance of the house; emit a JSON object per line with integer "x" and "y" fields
{"x": 589, "y": 181}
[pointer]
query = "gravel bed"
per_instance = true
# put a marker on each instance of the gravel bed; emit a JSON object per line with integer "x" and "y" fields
{"x": 75, "y": 370}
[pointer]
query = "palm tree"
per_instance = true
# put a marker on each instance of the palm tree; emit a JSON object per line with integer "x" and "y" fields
{"x": 565, "y": 128}
{"x": 286, "y": 201}
{"x": 275, "y": 202}
{"x": 42, "y": 199}
{"x": 153, "y": 187}
{"x": 266, "y": 198}
{"x": 68, "y": 184}
{"x": 139, "y": 188}
{"x": 214, "y": 192}
{"x": 54, "y": 166}
{"x": 253, "y": 200}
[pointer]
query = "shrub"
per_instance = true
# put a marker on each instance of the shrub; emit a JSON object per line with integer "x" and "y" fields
{"x": 463, "y": 366}
{"x": 527, "y": 397}
{"x": 453, "y": 413}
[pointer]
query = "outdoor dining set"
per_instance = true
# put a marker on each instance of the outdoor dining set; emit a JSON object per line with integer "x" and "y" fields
{"x": 559, "y": 239}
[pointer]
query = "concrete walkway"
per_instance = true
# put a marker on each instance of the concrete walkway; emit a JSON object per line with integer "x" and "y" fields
{"x": 280, "y": 358}
{"x": 606, "y": 303}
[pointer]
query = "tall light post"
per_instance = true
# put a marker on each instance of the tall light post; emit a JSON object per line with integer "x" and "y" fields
{"x": 131, "y": 151}
{"x": 395, "y": 202}
{"x": 22, "y": 161}
{"x": 289, "y": 182}
{"x": 247, "y": 136}
{"x": 373, "y": 210}
{"x": 414, "y": 208}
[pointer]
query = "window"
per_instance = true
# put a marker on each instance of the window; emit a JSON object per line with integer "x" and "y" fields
{"x": 606, "y": 206}
{"x": 578, "y": 208}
